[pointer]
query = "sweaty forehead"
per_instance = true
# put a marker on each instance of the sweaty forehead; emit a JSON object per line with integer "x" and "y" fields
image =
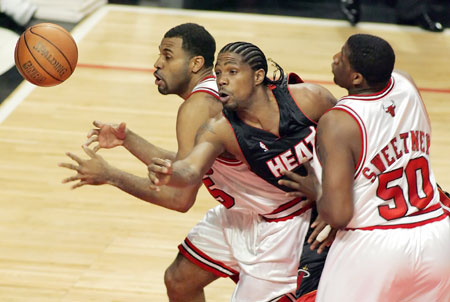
{"x": 229, "y": 58}
{"x": 171, "y": 44}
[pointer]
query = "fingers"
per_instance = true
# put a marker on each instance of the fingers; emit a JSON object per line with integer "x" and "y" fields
{"x": 93, "y": 132}
{"x": 294, "y": 194}
{"x": 290, "y": 184}
{"x": 69, "y": 166}
{"x": 72, "y": 178}
{"x": 79, "y": 184}
{"x": 291, "y": 175}
{"x": 89, "y": 152}
{"x": 74, "y": 157}
{"x": 98, "y": 124}
{"x": 324, "y": 233}
{"x": 121, "y": 131}
{"x": 154, "y": 181}
{"x": 160, "y": 165}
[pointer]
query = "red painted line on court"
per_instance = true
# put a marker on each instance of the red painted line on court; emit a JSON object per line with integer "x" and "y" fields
{"x": 124, "y": 68}
{"x": 140, "y": 69}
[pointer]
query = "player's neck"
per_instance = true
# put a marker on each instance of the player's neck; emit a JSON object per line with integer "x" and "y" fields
{"x": 366, "y": 89}
{"x": 195, "y": 80}
{"x": 262, "y": 112}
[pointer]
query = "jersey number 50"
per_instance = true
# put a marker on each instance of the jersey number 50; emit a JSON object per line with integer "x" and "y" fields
{"x": 396, "y": 193}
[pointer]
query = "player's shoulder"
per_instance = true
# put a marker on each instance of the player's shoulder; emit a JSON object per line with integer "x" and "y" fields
{"x": 314, "y": 100}
{"x": 202, "y": 101}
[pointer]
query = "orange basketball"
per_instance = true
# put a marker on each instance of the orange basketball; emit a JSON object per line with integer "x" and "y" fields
{"x": 46, "y": 54}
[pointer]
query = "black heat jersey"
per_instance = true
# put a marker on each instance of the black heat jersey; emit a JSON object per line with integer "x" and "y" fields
{"x": 268, "y": 154}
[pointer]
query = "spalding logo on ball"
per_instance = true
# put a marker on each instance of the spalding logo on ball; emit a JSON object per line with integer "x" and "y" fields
{"x": 46, "y": 54}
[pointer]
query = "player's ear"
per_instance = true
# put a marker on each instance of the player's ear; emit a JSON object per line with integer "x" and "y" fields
{"x": 357, "y": 78}
{"x": 197, "y": 63}
{"x": 259, "y": 76}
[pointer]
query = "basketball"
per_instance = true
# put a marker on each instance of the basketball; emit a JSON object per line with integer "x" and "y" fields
{"x": 46, "y": 54}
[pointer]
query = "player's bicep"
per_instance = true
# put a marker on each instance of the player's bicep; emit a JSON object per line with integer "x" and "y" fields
{"x": 208, "y": 145}
{"x": 336, "y": 137}
{"x": 191, "y": 116}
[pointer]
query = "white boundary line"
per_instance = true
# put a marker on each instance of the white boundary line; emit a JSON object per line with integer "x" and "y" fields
{"x": 87, "y": 24}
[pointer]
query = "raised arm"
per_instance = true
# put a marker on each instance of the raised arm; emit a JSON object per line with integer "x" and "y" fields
{"x": 96, "y": 171}
{"x": 194, "y": 112}
{"x": 190, "y": 170}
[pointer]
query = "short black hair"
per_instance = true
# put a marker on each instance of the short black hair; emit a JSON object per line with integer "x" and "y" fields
{"x": 371, "y": 56}
{"x": 253, "y": 56}
{"x": 196, "y": 40}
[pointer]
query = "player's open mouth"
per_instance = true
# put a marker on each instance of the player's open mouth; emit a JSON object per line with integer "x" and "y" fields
{"x": 224, "y": 97}
{"x": 158, "y": 79}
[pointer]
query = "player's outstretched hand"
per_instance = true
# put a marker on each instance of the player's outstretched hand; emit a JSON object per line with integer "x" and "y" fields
{"x": 159, "y": 172}
{"x": 106, "y": 135}
{"x": 92, "y": 171}
{"x": 322, "y": 236}
{"x": 308, "y": 186}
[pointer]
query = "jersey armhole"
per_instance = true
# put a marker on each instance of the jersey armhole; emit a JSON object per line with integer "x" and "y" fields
{"x": 363, "y": 135}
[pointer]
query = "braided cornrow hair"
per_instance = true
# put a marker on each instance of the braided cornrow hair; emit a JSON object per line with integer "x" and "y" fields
{"x": 253, "y": 56}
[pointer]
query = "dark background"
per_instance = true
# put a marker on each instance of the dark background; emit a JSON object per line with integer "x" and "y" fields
{"x": 371, "y": 11}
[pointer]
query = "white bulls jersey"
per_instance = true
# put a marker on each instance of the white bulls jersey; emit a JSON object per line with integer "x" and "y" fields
{"x": 237, "y": 188}
{"x": 208, "y": 85}
{"x": 394, "y": 184}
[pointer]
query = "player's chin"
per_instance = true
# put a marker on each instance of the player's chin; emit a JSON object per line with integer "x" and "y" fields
{"x": 230, "y": 105}
{"x": 163, "y": 89}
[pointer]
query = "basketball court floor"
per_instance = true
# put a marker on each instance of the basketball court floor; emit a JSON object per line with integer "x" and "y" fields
{"x": 99, "y": 244}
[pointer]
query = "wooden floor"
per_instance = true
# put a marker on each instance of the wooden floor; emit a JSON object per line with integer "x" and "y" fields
{"x": 98, "y": 244}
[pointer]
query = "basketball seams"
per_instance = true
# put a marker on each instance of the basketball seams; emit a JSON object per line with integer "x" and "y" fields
{"x": 46, "y": 54}
{"x": 62, "y": 53}
{"x": 16, "y": 56}
{"x": 37, "y": 61}
{"x": 61, "y": 29}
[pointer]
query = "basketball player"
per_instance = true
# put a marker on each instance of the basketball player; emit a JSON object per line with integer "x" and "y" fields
{"x": 266, "y": 126}
{"x": 378, "y": 186}
{"x": 177, "y": 72}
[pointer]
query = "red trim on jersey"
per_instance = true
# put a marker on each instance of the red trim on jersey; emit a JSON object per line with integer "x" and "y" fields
{"x": 208, "y": 77}
{"x": 426, "y": 210}
{"x": 297, "y": 80}
{"x": 237, "y": 141}
{"x": 285, "y": 207}
{"x": 363, "y": 133}
{"x": 228, "y": 161}
{"x": 285, "y": 298}
{"x": 445, "y": 201}
{"x": 207, "y": 90}
{"x": 400, "y": 226}
{"x": 372, "y": 97}
{"x": 309, "y": 297}
{"x": 233, "y": 273}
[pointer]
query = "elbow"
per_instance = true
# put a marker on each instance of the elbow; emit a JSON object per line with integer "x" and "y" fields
{"x": 338, "y": 218}
{"x": 184, "y": 206}
{"x": 184, "y": 200}
{"x": 338, "y": 222}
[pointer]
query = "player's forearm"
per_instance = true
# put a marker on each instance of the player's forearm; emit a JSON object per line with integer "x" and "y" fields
{"x": 171, "y": 198}
{"x": 334, "y": 212}
{"x": 184, "y": 175}
{"x": 145, "y": 150}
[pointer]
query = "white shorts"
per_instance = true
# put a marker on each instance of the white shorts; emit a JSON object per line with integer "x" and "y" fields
{"x": 401, "y": 265}
{"x": 264, "y": 255}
